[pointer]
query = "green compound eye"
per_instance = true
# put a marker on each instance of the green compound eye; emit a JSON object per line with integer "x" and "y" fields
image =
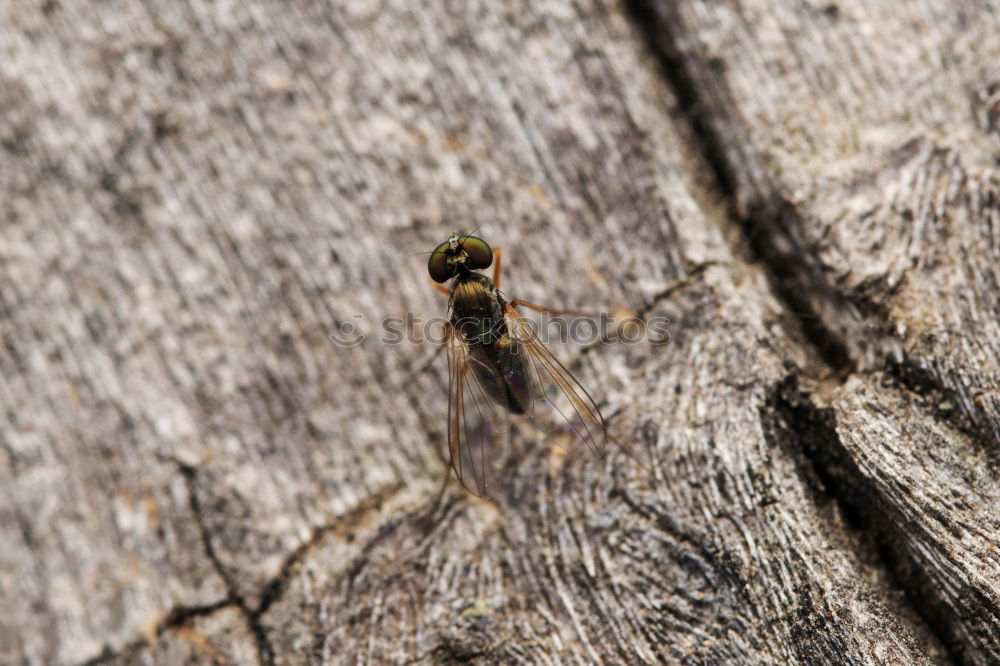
{"x": 438, "y": 266}
{"x": 458, "y": 252}
{"x": 480, "y": 254}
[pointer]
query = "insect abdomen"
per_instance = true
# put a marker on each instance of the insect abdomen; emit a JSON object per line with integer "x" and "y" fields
{"x": 502, "y": 375}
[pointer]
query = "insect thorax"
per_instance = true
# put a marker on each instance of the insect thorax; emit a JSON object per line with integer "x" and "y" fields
{"x": 477, "y": 310}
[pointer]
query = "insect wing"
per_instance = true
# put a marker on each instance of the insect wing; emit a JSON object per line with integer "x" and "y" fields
{"x": 478, "y": 418}
{"x": 556, "y": 398}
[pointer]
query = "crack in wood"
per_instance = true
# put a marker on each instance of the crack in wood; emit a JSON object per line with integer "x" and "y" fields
{"x": 849, "y": 331}
{"x": 176, "y": 617}
{"x": 342, "y": 525}
{"x": 793, "y": 419}
{"x": 768, "y": 221}
{"x": 265, "y": 651}
{"x": 273, "y": 590}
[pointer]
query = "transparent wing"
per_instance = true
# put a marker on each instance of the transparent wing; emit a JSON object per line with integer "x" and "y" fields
{"x": 478, "y": 417}
{"x": 550, "y": 394}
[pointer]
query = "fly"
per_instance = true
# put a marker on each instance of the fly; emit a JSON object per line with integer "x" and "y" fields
{"x": 497, "y": 367}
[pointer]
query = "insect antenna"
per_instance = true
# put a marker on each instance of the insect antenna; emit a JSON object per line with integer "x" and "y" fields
{"x": 413, "y": 254}
{"x": 480, "y": 226}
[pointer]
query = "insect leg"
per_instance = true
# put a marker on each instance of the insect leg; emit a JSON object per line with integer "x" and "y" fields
{"x": 430, "y": 359}
{"x": 440, "y": 287}
{"x": 427, "y": 515}
{"x": 538, "y": 308}
{"x": 497, "y": 254}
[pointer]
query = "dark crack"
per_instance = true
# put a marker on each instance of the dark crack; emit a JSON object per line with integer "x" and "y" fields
{"x": 846, "y": 331}
{"x": 265, "y": 651}
{"x": 770, "y": 223}
{"x": 343, "y": 525}
{"x": 178, "y": 616}
{"x": 274, "y": 589}
{"x": 808, "y": 433}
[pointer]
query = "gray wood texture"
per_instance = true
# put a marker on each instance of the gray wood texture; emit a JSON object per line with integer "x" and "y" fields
{"x": 197, "y": 196}
{"x": 866, "y": 175}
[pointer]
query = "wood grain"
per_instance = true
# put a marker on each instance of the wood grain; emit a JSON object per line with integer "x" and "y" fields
{"x": 859, "y": 143}
{"x": 874, "y": 164}
{"x": 198, "y": 196}
{"x": 939, "y": 499}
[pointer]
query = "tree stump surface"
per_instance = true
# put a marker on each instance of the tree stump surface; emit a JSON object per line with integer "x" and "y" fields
{"x": 198, "y": 198}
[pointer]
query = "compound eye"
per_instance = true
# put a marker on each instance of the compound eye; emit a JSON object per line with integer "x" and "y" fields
{"x": 480, "y": 254}
{"x": 438, "y": 266}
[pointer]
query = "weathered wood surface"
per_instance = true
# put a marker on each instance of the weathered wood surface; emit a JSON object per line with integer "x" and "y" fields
{"x": 859, "y": 142}
{"x": 196, "y": 195}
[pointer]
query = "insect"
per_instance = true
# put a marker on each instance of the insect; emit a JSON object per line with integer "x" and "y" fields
{"x": 498, "y": 368}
